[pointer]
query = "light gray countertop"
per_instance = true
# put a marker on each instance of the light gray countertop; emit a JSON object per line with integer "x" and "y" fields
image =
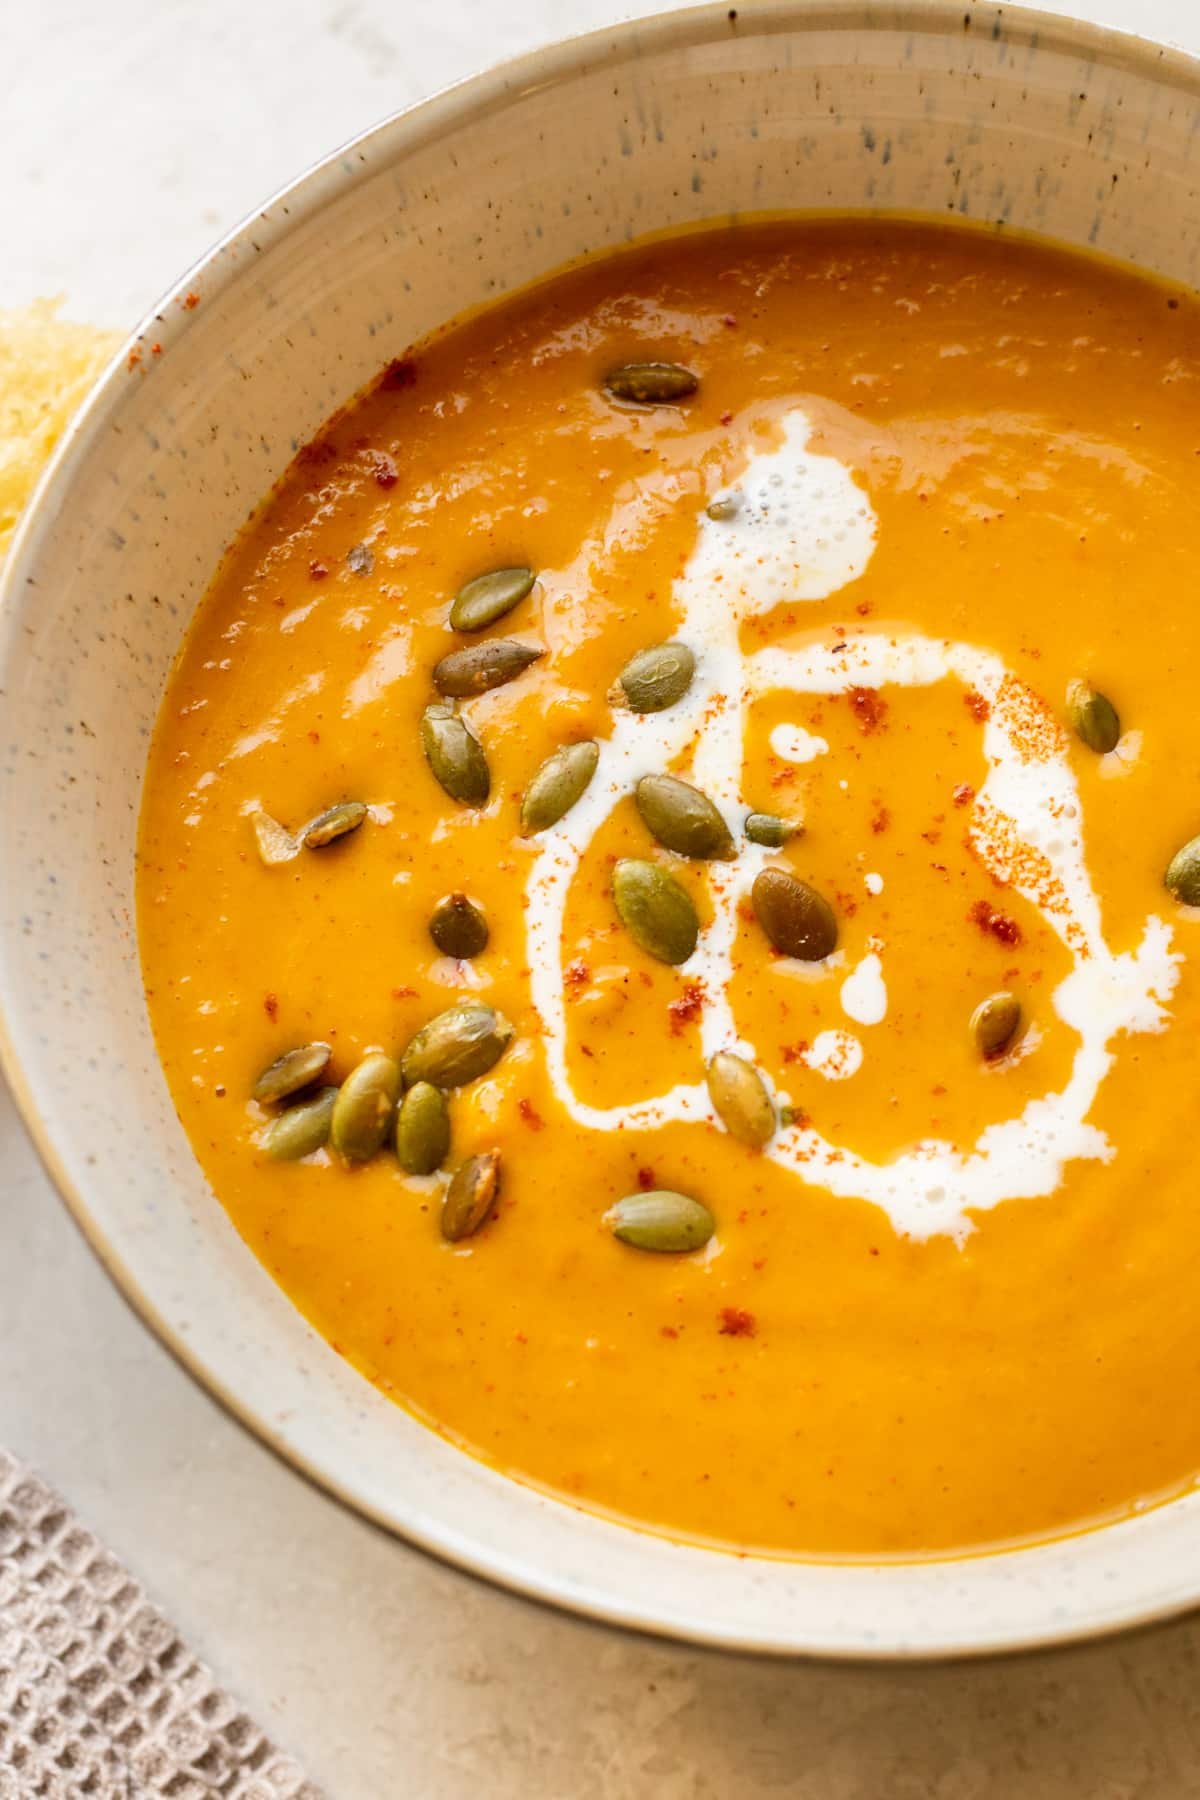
{"x": 131, "y": 137}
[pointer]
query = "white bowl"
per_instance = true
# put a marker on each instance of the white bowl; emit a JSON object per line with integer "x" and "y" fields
{"x": 999, "y": 114}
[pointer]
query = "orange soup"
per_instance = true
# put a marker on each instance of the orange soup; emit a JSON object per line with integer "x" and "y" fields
{"x": 667, "y": 897}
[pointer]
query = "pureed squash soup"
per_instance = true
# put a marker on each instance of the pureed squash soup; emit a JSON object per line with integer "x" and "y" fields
{"x": 726, "y": 803}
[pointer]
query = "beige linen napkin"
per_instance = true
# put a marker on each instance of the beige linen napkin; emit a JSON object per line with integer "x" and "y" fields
{"x": 100, "y": 1699}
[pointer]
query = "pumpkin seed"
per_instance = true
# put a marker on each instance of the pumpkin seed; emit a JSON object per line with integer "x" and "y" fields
{"x": 1093, "y": 717}
{"x": 480, "y": 667}
{"x": 740, "y": 1096}
{"x": 471, "y": 1196}
{"x": 1183, "y": 874}
{"x": 488, "y": 597}
{"x": 336, "y": 822}
{"x": 275, "y": 845}
{"x": 458, "y": 927}
{"x": 422, "y": 1129}
{"x": 657, "y": 677}
{"x": 661, "y": 1220}
{"x": 364, "y": 1107}
{"x": 302, "y": 1129}
{"x": 657, "y": 913}
{"x": 682, "y": 818}
{"x": 457, "y": 1046}
{"x": 799, "y": 921}
{"x": 995, "y": 1023}
{"x": 651, "y": 383}
{"x": 294, "y": 1070}
{"x": 725, "y": 506}
{"x": 455, "y": 755}
{"x": 562, "y": 780}
{"x": 770, "y": 829}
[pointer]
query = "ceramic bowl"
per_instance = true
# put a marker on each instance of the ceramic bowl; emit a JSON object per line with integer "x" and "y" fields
{"x": 981, "y": 112}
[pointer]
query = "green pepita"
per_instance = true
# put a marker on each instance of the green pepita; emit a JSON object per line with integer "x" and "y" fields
{"x": 481, "y": 667}
{"x": 655, "y": 910}
{"x": 422, "y": 1129}
{"x": 995, "y": 1023}
{"x": 363, "y": 1110}
{"x": 1093, "y": 717}
{"x": 471, "y": 1196}
{"x": 336, "y": 822}
{"x": 770, "y": 829}
{"x": 682, "y": 818}
{"x": 458, "y": 927}
{"x": 799, "y": 921}
{"x": 455, "y": 755}
{"x": 275, "y": 845}
{"x": 725, "y": 506}
{"x": 457, "y": 1046}
{"x": 651, "y": 383}
{"x": 661, "y": 1220}
{"x": 1183, "y": 874}
{"x": 302, "y": 1130}
{"x": 657, "y": 677}
{"x": 560, "y": 781}
{"x": 741, "y": 1099}
{"x": 294, "y": 1070}
{"x": 489, "y": 597}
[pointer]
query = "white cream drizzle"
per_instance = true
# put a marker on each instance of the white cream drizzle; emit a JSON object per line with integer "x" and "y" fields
{"x": 837, "y": 1055}
{"x": 796, "y": 745}
{"x": 804, "y": 530}
{"x": 864, "y": 992}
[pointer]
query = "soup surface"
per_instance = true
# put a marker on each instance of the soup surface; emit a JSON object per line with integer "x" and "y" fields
{"x": 925, "y": 518}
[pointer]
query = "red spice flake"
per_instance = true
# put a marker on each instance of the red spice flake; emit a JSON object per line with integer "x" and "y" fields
{"x": 404, "y": 993}
{"x": 586, "y": 1050}
{"x": 730, "y": 320}
{"x": 669, "y": 1331}
{"x": 401, "y": 373}
{"x": 688, "y": 1008}
{"x": 530, "y": 1115}
{"x": 320, "y": 450}
{"x": 881, "y": 821}
{"x": 727, "y": 418}
{"x": 963, "y": 794}
{"x": 736, "y": 1323}
{"x": 979, "y": 708}
{"x": 645, "y": 1179}
{"x": 846, "y": 904}
{"x": 863, "y": 609}
{"x": 383, "y": 469}
{"x": 932, "y": 837}
{"x": 794, "y": 1052}
{"x": 317, "y": 571}
{"x": 156, "y": 349}
{"x": 190, "y": 302}
{"x": 985, "y": 915}
{"x": 576, "y": 975}
{"x": 134, "y": 357}
{"x": 271, "y": 1006}
{"x": 867, "y": 708}
{"x": 314, "y": 737}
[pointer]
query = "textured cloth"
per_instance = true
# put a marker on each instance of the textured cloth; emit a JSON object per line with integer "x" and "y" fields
{"x": 99, "y": 1697}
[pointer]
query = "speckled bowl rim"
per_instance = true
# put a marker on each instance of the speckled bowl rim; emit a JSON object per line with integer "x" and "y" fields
{"x": 419, "y": 126}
